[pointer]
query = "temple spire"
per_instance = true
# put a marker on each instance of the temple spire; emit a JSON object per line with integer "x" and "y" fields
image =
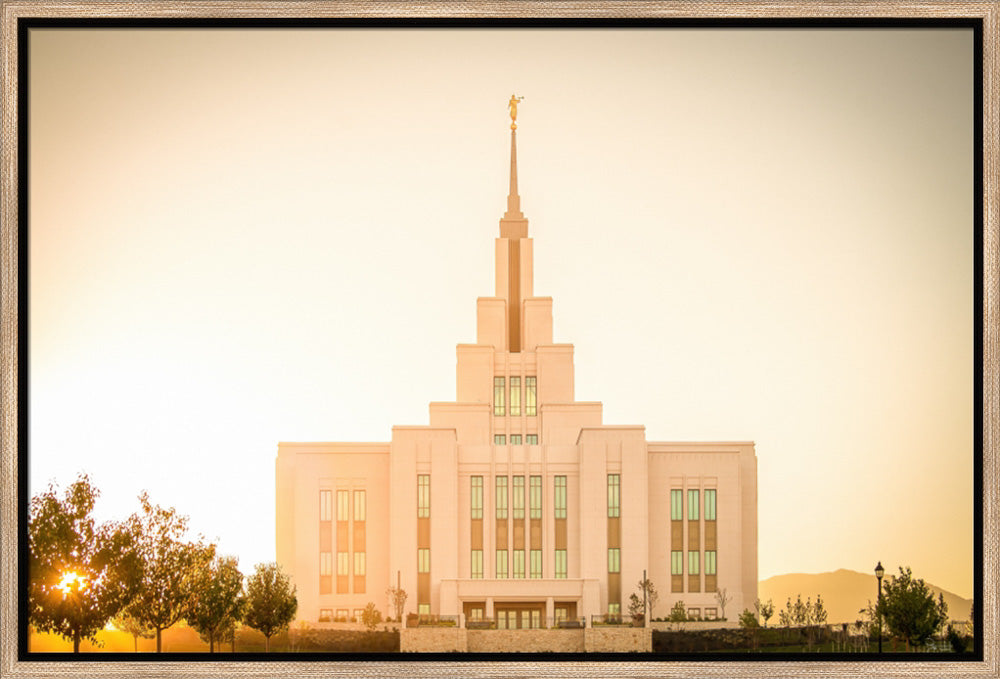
{"x": 513, "y": 199}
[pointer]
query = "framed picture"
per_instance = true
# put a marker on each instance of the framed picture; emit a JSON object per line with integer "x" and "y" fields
{"x": 702, "y": 300}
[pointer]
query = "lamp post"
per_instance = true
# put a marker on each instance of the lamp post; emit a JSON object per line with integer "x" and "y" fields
{"x": 879, "y": 572}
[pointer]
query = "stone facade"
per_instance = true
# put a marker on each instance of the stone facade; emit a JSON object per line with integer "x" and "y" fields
{"x": 618, "y": 640}
{"x": 527, "y": 641}
{"x": 432, "y": 640}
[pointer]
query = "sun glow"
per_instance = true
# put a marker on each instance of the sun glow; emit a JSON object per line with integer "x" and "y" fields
{"x": 68, "y": 580}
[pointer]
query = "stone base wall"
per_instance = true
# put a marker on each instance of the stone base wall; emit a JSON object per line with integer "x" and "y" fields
{"x": 618, "y": 640}
{"x": 432, "y": 640}
{"x": 694, "y": 625}
{"x": 526, "y": 641}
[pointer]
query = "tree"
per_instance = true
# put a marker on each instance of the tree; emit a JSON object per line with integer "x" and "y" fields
{"x": 678, "y": 613}
{"x": 652, "y": 596}
{"x": 723, "y": 598}
{"x": 764, "y": 610}
{"x": 170, "y": 566}
{"x": 634, "y": 605}
{"x": 397, "y": 601}
{"x": 785, "y": 616}
{"x": 908, "y": 607}
{"x": 748, "y": 619}
{"x": 371, "y": 616}
{"x": 130, "y": 624}
{"x": 80, "y": 574}
{"x": 216, "y": 600}
{"x": 271, "y": 602}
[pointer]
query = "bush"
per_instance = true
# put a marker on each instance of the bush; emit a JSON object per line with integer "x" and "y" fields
{"x": 678, "y": 613}
{"x": 748, "y": 620}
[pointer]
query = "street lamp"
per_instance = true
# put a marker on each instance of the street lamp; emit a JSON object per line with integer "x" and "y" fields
{"x": 879, "y": 572}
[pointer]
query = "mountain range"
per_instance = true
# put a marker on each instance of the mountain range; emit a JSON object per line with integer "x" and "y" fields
{"x": 844, "y": 593}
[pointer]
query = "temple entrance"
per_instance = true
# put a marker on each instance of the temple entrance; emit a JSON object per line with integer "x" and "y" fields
{"x": 527, "y": 615}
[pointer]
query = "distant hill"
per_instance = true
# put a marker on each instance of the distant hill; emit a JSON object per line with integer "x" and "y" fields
{"x": 844, "y": 593}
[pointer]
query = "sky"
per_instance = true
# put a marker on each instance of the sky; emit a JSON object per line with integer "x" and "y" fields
{"x": 241, "y": 237}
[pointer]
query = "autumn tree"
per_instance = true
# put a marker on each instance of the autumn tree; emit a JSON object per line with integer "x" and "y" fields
{"x": 80, "y": 574}
{"x": 216, "y": 600}
{"x": 909, "y": 609}
{"x": 170, "y": 566}
{"x": 271, "y": 602}
{"x": 130, "y": 624}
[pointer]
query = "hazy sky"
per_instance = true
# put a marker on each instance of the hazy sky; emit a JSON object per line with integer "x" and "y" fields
{"x": 240, "y": 237}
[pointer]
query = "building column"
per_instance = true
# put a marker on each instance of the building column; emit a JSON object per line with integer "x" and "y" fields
{"x": 550, "y": 610}
{"x": 489, "y": 607}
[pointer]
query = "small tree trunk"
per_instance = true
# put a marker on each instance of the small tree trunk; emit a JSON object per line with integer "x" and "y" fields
{"x": 158, "y": 647}
{"x": 76, "y": 641}
{"x": 267, "y": 643}
{"x": 211, "y": 644}
{"x": 135, "y": 643}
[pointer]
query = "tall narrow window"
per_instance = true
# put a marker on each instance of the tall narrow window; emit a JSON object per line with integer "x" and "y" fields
{"x": 325, "y": 563}
{"x": 423, "y": 496}
{"x": 694, "y": 561}
{"x": 536, "y": 497}
{"x": 560, "y": 497}
{"x": 710, "y": 563}
{"x": 530, "y": 396}
{"x": 515, "y": 396}
{"x": 518, "y": 497}
{"x": 477, "y": 564}
{"x": 343, "y": 563}
{"x": 477, "y": 496}
{"x": 710, "y": 504}
{"x": 614, "y": 560}
{"x": 343, "y": 505}
{"x": 423, "y": 560}
{"x": 677, "y": 562}
{"x": 501, "y": 563}
{"x": 518, "y": 563}
{"x": 499, "y": 439}
{"x": 560, "y": 563}
{"x": 536, "y": 563}
{"x": 614, "y": 495}
{"x": 531, "y": 439}
{"x": 515, "y": 439}
{"x": 693, "y": 505}
{"x": 501, "y": 497}
{"x": 360, "y": 505}
{"x": 498, "y": 400}
{"x": 359, "y": 563}
{"x": 677, "y": 505}
{"x": 325, "y": 505}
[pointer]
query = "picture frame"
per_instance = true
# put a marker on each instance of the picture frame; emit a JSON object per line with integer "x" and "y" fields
{"x": 14, "y": 486}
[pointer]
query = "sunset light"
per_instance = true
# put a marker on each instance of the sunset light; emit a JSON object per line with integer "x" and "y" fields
{"x": 68, "y": 580}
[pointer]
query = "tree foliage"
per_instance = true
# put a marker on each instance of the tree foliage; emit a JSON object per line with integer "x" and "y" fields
{"x": 909, "y": 610}
{"x": 764, "y": 610}
{"x": 130, "y": 624}
{"x": 170, "y": 566}
{"x": 371, "y": 616}
{"x": 748, "y": 619}
{"x": 678, "y": 613}
{"x": 216, "y": 600}
{"x": 271, "y": 602}
{"x": 80, "y": 574}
